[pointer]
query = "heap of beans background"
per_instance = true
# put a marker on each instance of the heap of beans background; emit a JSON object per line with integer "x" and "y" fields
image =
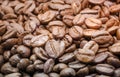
{"x": 59, "y": 38}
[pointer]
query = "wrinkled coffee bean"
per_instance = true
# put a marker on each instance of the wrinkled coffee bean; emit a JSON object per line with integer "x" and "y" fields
{"x": 105, "y": 69}
{"x": 67, "y": 72}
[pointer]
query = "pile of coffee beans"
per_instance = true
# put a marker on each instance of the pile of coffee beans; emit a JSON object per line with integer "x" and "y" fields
{"x": 59, "y": 38}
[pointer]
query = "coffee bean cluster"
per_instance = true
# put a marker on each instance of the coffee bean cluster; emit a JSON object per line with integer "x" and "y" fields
{"x": 59, "y": 38}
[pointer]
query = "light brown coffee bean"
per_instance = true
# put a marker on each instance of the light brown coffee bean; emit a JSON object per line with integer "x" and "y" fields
{"x": 27, "y": 39}
{"x": 40, "y": 53}
{"x": 76, "y": 32}
{"x": 60, "y": 66}
{"x": 55, "y": 48}
{"x": 39, "y": 40}
{"x": 84, "y": 55}
{"x": 105, "y": 69}
{"x": 76, "y": 65}
{"x": 68, "y": 20}
{"x": 54, "y": 75}
{"x": 115, "y": 8}
{"x": 101, "y": 37}
{"x": 100, "y": 57}
{"x": 40, "y": 74}
{"x": 88, "y": 32}
{"x": 92, "y": 45}
{"x": 47, "y": 16}
{"x": 93, "y": 23}
{"x": 68, "y": 57}
{"x": 115, "y": 48}
{"x": 13, "y": 75}
{"x": 3, "y": 29}
{"x": 38, "y": 65}
{"x": 67, "y": 72}
{"x": 71, "y": 48}
{"x": 79, "y": 19}
{"x": 48, "y": 66}
{"x": 96, "y": 1}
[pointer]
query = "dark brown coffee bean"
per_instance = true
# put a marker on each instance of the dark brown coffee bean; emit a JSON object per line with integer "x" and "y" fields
{"x": 23, "y": 63}
{"x": 23, "y": 51}
{"x": 6, "y": 55}
{"x": 30, "y": 68}
{"x": 1, "y": 60}
{"x": 38, "y": 65}
{"x": 67, "y": 72}
{"x": 60, "y": 66}
{"x": 117, "y": 72}
{"x": 84, "y": 55}
{"x": 83, "y": 72}
{"x": 55, "y": 48}
{"x": 14, "y": 59}
{"x": 105, "y": 69}
{"x": 100, "y": 57}
{"x": 113, "y": 61}
{"x": 7, "y": 68}
{"x": 33, "y": 57}
{"x": 48, "y": 66}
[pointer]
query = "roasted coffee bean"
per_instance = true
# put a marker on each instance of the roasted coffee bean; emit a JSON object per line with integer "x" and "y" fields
{"x": 40, "y": 74}
{"x": 114, "y": 8}
{"x": 92, "y": 45}
{"x": 113, "y": 61}
{"x": 68, "y": 20}
{"x": 96, "y": 1}
{"x": 60, "y": 66}
{"x": 105, "y": 69}
{"x": 84, "y": 55}
{"x": 102, "y": 37}
{"x": 117, "y": 72}
{"x": 33, "y": 57}
{"x": 13, "y": 75}
{"x": 30, "y": 68}
{"x": 7, "y": 68}
{"x": 14, "y": 59}
{"x": 93, "y": 23}
{"x": 83, "y": 72}
{"x": 54, "y": 75}
{"x": 1, "y": 60}
{"x": 88, "y": 32}
{"x": 38, "y": 65}
{"x": 6, "y": 55}
{"x": 71, "y": 48}
{"x": 23, "y": 63}
{"x": 23, "y": 51}
{"x": 118, "y": 34}
{"x": 68, "y": 57}
{"x": 55, "y": 48}
{"x": 100, "y": 57}
{"x": 68, "y": 72}
{"x": 48, "y": 66}
{"x": 76, "y": 65}
{"x": 76, "y": 32}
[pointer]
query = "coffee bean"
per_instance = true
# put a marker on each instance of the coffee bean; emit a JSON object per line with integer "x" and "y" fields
{"x": 115, "y": 8}
{"x": 54, "y": 75}
{"x": 84, "y": 55}
{"x": 13, "y": 75}
{"x": 105, "y": 69}
{"x": 117, "y": 72}
{"x": 96, "y": 1}
{"x": 83, "y": 72}
{"x": 93, "y": 23}
{"x": 100, "y": 57}
{"x": 40, "y": 74}
{"x": 67, "y": 72}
